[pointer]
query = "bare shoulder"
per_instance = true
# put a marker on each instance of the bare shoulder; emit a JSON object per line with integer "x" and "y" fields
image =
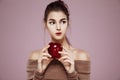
{"x": 81, "y": 55}
{"x": 34, "y": 54}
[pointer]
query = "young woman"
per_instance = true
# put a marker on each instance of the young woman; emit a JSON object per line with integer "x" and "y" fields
{"x": 74, "y": 64}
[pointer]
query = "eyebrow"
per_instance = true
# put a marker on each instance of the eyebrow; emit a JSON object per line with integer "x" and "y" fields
{"x": 51, "y": 19}
{"x": 63, "y": 19}
{"x": 60, "y": 19}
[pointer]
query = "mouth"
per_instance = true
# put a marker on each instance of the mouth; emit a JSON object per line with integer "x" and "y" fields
{"x": 58, "y": 33}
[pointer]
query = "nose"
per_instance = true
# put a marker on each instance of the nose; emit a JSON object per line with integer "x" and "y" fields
{"x": 58, "y": 27}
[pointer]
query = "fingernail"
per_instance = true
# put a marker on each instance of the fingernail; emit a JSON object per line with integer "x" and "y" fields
{"x": 59, "y": 52}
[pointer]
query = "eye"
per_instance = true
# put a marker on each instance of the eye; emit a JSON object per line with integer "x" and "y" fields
{"x": 63, "y": 22}
{"x": 51, "y": 22}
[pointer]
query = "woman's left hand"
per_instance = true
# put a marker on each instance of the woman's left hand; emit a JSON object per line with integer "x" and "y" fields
{"x": 67, "y": 59}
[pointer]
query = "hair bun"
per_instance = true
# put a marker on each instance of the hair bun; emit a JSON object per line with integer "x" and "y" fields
{"x": 62, "y": 3}
{"x": 57, "y": 5}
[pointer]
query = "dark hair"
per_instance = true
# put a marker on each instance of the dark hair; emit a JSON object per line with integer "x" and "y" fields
{"x": 56, "y": 6}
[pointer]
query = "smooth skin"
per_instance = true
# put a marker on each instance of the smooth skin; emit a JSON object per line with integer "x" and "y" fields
{"x": 57, "y": 22}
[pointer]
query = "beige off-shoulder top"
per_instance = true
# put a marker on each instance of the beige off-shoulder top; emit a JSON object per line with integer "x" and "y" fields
{"x": 56, "y": 71}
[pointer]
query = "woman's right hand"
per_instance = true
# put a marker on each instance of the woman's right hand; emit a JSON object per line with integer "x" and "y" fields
{"x": 44, "y": 59}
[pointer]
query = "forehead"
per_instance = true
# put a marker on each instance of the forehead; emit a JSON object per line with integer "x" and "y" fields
{"x": 56, "y": 15}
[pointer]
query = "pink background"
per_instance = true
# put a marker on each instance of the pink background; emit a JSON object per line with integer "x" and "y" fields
{"x": 95, "y": 27}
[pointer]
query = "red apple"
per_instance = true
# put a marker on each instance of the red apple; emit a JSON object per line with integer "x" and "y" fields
{"x": 54, "y": 49}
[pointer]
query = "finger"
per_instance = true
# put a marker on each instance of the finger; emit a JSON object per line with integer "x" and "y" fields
{"x": 45, "y": 48}
{"x": 68, "y": 61}
{"x": 44, "y": 58}
{"x": 63, "y": 53}
{"x": 47, "y": 55}
{"x": 64, "y": 58}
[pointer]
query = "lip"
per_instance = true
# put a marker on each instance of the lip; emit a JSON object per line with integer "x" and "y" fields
{"x": 58, "y": 33}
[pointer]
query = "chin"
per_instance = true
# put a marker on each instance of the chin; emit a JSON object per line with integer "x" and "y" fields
{"x": 58, "y": 38}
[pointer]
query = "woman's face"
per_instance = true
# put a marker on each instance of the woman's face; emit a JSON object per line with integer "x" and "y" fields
{"x": 57, "y": 24}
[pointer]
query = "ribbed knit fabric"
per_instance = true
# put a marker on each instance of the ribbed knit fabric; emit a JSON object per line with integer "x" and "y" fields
{"x": 56, "y": 71}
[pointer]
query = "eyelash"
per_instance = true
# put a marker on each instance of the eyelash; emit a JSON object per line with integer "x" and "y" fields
{"x": 52, "y": 22}
{"x": 63, "y": 22}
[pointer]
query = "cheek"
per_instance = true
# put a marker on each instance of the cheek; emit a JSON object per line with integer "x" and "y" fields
{"x": 64, "y": 28}
{"x": 50, "y": 28}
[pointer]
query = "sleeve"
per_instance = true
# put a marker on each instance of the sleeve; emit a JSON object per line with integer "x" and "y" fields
{"x": 32, "y": 72}
{"x": 82, "y": 71}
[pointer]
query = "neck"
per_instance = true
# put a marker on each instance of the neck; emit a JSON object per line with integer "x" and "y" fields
{"x": 63, "y": 42}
